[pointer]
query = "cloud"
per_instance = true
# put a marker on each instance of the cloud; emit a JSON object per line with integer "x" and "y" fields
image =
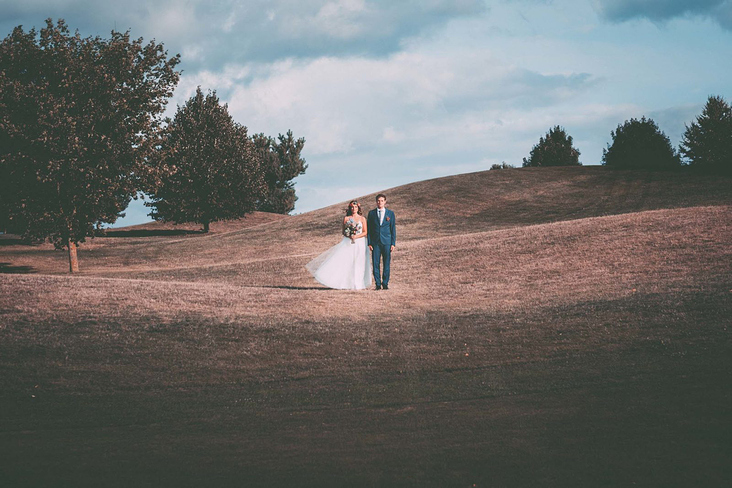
{"x": 387, "y": 93}
{"x": 663, "y": 10}
{"x": 212, "y": 34}
{"x": 375, "y": 123}
{"x": 673, "y": 120}
{"x": 413, "y": 97}
{"x": 371, "y": 124}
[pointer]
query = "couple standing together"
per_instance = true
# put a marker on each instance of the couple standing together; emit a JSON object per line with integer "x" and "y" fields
{"x": 345, "y": 266}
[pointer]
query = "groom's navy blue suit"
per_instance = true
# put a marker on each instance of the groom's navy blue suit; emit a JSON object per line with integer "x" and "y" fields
{"x": 381, "y": 237}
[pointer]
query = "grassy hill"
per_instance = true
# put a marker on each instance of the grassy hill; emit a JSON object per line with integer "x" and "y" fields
{"x": 545, "y": 327}
{"x": 452, "y": 206}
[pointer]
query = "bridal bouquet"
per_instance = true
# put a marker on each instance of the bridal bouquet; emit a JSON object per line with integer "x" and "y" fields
{"x": 352, "y": 228}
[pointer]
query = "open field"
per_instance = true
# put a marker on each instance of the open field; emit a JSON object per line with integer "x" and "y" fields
{"x": 545, "y": 327}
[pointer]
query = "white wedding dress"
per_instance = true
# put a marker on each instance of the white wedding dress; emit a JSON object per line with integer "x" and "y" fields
{"x": 345, "y": 266}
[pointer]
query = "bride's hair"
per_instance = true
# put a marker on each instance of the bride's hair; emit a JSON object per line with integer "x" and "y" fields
{"x": 348, "y": 210}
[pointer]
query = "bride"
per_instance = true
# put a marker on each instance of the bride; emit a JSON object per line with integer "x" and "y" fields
{"x": 345, "y": 266}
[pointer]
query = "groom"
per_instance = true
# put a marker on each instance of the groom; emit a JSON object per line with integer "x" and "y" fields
{"x": 382, "y": 239}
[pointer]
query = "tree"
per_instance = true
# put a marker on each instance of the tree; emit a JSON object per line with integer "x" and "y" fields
{"x": 281, "y": 163}
{"x": 707, "y": 143}
{"x": 212, "y": 170}
{"x": 78, "y": 117}
{"x": 554, "y": 150}
{"x": 639, "y": 144}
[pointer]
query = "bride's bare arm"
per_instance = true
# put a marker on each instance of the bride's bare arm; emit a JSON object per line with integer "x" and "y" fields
{"x": 364, "y": 231}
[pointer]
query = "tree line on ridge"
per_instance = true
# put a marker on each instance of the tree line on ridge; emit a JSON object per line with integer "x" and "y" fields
{"x": 706, "y": 145}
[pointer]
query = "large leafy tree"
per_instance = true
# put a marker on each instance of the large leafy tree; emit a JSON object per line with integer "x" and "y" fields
{"x": 640, "y": 144}
{"x": 555, "y": 149}
{"x": 281, "y": 163}
{"x": 707, "y": 142}
{"x": 211, "y": 168}
{"x": 78, "y": 120}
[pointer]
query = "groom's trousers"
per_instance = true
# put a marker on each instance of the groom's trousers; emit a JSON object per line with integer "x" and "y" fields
{"x": 381, "y": 251}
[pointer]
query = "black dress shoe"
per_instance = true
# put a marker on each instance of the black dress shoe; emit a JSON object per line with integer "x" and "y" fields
{"x": 378, "y": 287}
{"x": 386, "y": 287}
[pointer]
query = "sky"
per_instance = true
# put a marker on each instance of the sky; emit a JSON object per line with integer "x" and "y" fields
{"x": 391, "y": 92}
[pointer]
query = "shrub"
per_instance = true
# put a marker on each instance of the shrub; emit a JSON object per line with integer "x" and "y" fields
{"x": 503, "y": 165}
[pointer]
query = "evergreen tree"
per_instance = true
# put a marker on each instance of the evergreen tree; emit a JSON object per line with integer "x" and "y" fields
{"x": 639, "y": 144}
{"x": 211, "y": 168}
{"x": 281, "y": 163}
{"x": 707, "y": 142}
{"x": 554, "y": 150}
{"x": 78, "y": 118}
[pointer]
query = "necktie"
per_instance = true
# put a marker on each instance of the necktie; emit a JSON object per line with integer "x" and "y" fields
{"x": 381, "y": 216}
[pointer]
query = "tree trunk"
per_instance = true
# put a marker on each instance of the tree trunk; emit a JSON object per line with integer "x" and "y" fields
{"x": 205, "y": 227}
{"x": 73, "y": 260}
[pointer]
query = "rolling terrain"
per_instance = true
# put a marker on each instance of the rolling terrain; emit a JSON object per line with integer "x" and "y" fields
{"x": 545, "y": 327}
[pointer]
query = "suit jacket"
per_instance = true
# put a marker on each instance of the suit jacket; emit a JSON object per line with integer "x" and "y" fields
{"x": 384, "y": 233}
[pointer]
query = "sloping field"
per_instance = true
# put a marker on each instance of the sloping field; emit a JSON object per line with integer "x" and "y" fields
{"x": 456, "y": 205}
{"x": 575, "y": 336}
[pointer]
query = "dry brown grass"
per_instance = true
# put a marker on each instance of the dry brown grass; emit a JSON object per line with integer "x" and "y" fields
{"x": 573, "y": 336}
{"x": 453, "y": 206}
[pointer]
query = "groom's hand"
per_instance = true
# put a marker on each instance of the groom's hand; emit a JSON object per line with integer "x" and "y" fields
{"x": 392, "y": 249}
{"x": 371, "y": 248}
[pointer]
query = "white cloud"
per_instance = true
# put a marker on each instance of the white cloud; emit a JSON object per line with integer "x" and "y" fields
{"x": 391, "y": 135}
{"x": 244, "y": 31}
{"x": 344, "y": 104}
{"x": 340, "y": 19}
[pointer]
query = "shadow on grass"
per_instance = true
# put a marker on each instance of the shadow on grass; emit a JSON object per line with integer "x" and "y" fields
{"x": 12, "y": 240}
{"x": 150, "y": 233}
{"x": 284, "y": 287}
{"x": 7, "y": 268}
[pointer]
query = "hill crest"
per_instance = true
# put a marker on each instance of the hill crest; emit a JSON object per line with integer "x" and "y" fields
{"x": 443, "y": 207}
